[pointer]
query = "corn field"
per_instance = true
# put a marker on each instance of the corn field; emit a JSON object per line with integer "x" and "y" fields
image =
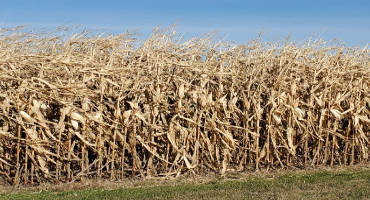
{"x": 92, "y": 106}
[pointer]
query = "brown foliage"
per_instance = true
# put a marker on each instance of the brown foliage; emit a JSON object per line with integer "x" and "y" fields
{"x": 110, "y": 106}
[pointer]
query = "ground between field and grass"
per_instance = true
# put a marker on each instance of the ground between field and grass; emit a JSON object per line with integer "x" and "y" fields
{"x": 349, "y": 183}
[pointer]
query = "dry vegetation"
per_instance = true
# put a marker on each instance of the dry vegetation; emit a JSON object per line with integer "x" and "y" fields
{"x": 89, "y": 106}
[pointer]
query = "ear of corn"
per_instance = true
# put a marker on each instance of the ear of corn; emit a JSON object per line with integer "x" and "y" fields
{"x": 110, "y": 106}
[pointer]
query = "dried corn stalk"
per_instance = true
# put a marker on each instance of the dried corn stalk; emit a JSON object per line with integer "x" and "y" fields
{"x": 112, "y": 106}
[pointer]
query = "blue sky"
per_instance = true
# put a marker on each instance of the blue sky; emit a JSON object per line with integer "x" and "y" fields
{"x": 238, "y": 21}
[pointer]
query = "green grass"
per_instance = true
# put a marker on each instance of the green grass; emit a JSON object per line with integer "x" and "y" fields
{"x": 314, "y": 185}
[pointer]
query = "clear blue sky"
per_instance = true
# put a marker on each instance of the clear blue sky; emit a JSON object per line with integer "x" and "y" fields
{"x": 238, "y": 21}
